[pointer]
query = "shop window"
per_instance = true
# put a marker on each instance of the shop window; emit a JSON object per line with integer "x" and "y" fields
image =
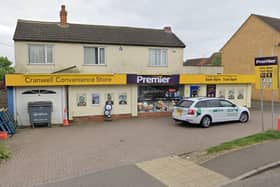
{"x": 81, "y": 100}
{"x": 123, "y": 99}
{"x": 94, "y": 56}
{"x": 211, "y": 90}
{"x": 40, "y": 54}
{"x": 158, "y": 57}
{"x": 158, "y": 98}
{"x": 240, "y": 95}
{"x": 95, "y": 99}
{"x": 231, "y": 94}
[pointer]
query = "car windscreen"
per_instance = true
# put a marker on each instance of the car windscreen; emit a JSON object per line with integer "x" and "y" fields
{"x": 185, "y": 103}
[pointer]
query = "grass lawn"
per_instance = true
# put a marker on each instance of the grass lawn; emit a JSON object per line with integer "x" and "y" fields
{"x": 249, "y": 140}
{"x": 5, "y": 152}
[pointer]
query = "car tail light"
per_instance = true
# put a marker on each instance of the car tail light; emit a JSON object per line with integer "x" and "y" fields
{"x": 191, "y": 112}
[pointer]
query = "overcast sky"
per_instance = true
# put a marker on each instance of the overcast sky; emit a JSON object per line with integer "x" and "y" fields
{"x": 203, "y": 25}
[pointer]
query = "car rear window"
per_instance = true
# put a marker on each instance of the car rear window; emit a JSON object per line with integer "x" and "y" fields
{"x": 185, "y": 103}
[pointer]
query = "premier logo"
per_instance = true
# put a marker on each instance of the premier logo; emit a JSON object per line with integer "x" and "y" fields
{"x": 152, "y": 80}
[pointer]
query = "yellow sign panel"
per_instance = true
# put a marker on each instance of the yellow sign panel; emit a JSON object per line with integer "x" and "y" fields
{"x": 217, "y": 79}
{"x": 64, "y": 79}
{"x": 267, "y": 77}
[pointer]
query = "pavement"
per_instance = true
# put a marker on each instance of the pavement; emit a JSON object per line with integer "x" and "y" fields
{"x": 174, "y": 171}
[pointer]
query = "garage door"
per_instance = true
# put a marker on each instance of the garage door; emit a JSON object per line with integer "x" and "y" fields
{"x": 30, "y": 94}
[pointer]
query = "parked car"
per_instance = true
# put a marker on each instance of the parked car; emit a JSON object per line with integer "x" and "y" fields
{"x": 205, "y": 111}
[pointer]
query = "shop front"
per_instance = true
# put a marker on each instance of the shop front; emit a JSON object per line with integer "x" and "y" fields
{"x": 156, "y": 93}
{"x": 236, "y": 88}
{"x": 81, "y": 95}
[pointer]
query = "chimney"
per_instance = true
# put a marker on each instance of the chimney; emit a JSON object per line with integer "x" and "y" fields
{"x": 63, "y": 16}
{"x": 167, "y": 29}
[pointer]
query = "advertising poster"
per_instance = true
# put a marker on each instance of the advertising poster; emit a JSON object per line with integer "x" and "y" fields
{"x": 95, "y": 99}
{"x": 123, "y": 99}
{"x": 81, "y": 100}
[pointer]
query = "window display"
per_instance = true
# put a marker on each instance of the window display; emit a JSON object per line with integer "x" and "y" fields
{"x": 158, "y": 98}
{"x": 81, "y": 100}
{"x": 231, "y": 94}
{"x": 122, "y": 99}
{"x": 95, "y": 99}
{"x": 240, "y": 94}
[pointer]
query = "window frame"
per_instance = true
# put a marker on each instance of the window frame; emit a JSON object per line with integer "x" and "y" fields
{"x": 98, "y": 55}
{"x": 161, "y": 57}
{"x": 45, "y": 46}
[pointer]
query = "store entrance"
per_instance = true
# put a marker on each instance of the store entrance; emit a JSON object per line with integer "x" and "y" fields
{"x": 211, "y": 90}
{"x": 158, "y": 98}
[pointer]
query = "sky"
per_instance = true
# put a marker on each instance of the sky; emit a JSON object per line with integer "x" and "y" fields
{"x": 203, "y": 25}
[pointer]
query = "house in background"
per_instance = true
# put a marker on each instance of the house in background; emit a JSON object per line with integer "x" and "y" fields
{"x": 258, "y": 36}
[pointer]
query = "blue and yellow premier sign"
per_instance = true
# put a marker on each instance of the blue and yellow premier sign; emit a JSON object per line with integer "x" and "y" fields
{"x": 64, "y": 79}
{"x": 266, "y": 72}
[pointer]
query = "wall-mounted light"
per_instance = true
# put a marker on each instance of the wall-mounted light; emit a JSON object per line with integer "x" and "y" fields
{"x": 120, "y": 48}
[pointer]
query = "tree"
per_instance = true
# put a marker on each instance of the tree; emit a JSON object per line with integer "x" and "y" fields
{"x": 5, "y": 67}
{"x": 216, "y": 59}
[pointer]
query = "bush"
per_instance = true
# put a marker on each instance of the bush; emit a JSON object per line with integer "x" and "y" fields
{"x": 5, "y": 152}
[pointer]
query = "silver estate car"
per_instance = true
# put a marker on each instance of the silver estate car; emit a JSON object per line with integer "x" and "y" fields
{"x": 205, "y": 111}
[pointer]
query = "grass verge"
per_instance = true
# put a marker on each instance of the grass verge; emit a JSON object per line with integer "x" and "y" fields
{"x": 249, "y": 140}
{"x": 5, "y": 152}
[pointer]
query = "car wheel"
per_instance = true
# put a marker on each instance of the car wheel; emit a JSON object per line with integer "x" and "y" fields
{"x": 205, "y": 122}
{"x": 244, "y": 117}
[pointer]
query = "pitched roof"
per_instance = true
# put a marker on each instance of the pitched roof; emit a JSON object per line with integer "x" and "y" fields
{"x": 201, "y": 61}
{"x": 94, "y": 34}
{"x": 270, "y": 21}
{"x": 273, "y": 22}
{"x": 196, "y": 62}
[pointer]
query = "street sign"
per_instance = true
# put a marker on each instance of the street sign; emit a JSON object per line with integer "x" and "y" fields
{"x": 266, "y": 72}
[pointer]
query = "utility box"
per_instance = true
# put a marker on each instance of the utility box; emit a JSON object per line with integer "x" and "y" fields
{"x": 40, "y": 112}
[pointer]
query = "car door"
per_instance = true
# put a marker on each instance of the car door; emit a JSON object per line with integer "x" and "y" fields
{"x": 215, "y": 110}
{"x": 230, "y": 111}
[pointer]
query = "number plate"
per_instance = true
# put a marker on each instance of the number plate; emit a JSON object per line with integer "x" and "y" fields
{"x": 178, "y": 112}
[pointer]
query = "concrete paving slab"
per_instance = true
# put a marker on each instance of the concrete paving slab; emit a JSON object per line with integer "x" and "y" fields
{"x": 126, "y": 176}
{"x": 177, "y": 172}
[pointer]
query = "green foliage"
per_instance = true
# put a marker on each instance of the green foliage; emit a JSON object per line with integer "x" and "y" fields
{"x": 5, "y": 153}
{"x": 249, "y": 140}
{"x": 217, "y": 60}
{"x": 5, "y": 67}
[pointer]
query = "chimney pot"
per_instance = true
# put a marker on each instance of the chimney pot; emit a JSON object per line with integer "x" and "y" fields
{"x": 167, "y": 29}
{"x": 63, "y": 16}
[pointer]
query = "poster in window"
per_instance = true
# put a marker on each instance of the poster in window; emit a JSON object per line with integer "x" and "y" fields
{"x": 221, "y": 94}
{"x": 81, "y": 100}
{"x": 231, "y": 94}
{"x": 109, "y": 98}
{"x": 95, "y": 99}
{"x": 123, "y": 99}
{"x": 240, "y": 94}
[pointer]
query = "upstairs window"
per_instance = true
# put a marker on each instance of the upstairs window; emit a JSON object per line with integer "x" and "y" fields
{"x": 40, "y": 54}
{"x": 94, "y": 56}
{"x": 158, "y": 57}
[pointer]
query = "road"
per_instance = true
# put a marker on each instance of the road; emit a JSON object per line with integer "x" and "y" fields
{"x": 269, "y": 178}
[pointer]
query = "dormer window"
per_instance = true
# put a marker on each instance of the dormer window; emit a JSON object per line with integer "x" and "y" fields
{"x": 40, "y": 54}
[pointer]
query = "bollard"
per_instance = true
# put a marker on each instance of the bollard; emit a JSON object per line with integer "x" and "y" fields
{"x": 278, "y": 123}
